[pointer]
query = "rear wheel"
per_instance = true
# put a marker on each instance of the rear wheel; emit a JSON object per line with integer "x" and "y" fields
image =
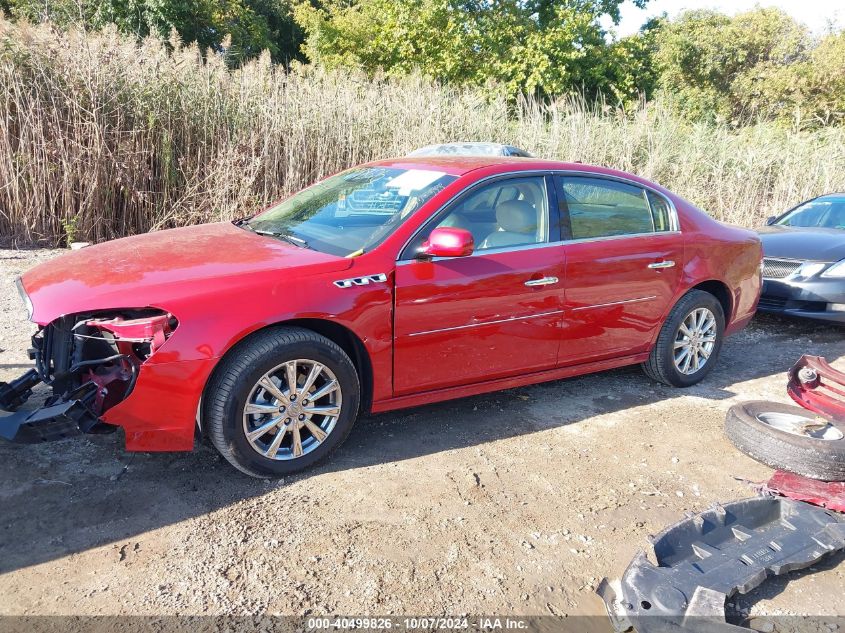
{"x": 281, "y": 401}
{"x": 689, "y": 341}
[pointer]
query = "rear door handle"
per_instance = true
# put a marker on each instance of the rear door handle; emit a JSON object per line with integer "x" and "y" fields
{"x": 659, "y": 265}
{"x": 545, "y": 281}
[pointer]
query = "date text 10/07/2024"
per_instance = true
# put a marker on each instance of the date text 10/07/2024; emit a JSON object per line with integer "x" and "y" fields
{"x": 418, "y": 623}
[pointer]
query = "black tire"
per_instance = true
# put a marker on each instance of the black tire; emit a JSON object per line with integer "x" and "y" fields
{"x": 660, "y": 365}
{"x": 242, "y": 368}
{"x": 807, "y": 456}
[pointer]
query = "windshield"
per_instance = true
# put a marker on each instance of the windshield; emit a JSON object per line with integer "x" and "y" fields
{"x": 352, "y": 212}
{"x": 824, "y": 213}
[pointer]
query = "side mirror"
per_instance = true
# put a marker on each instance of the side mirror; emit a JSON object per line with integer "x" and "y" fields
{"x": 771, "y": 220}
{"x": 447, "y": 242}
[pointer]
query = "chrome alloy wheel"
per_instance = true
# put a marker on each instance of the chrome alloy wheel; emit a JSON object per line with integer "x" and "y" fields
{"x": 695, "y": 341}
{"x": 292, "y": 409}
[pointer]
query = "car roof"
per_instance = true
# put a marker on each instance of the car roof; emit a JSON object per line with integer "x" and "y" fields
{"x": 460, "y": 165}
{"x": 832, "y": 196}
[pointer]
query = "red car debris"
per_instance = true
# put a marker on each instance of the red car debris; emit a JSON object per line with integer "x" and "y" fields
{"x": 817, "y": 386}
{"x": 808, "y": 440}
{"x": 820, "y": 388}
{"x": 827, "y": 494}
{"x": 394, "y": 284}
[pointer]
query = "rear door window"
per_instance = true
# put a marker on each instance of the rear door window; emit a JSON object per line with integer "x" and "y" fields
{"x": 600, "y": 207}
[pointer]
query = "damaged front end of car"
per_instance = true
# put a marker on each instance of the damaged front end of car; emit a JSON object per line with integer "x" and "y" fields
{"x": 91, "y": 362}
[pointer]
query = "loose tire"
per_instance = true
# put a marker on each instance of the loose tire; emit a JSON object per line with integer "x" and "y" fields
{"x": 696, "y": 325}
{"x": 788, "y": 438}
{"x": 281, "y": 401}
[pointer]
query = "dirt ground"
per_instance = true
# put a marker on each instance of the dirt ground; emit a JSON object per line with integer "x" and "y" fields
{"x": 513, "y": 503}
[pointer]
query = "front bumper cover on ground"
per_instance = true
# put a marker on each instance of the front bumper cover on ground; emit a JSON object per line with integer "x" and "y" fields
{"x": 65, "y": 418}
{"x": 696, "y": 564}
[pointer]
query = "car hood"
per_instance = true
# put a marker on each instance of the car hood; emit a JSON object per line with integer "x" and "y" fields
{"x": 822, "y": 245}
{"x": 156, "y": 268}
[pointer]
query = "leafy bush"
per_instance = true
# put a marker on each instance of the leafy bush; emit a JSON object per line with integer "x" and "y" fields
{"x": 760, "y": 64}
{"x": 251, "y": 26}
{"x": 537, "y": 47}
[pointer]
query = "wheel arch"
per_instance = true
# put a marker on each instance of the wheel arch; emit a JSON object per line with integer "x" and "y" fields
{"x": 350, "y": 343}
{"x": 339, "y": 334}
{"x": 720, "y": 290}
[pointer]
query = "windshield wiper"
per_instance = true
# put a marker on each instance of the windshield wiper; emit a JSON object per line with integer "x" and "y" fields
{"x": 287, "y": 237}
{"x": 293, "y": 239}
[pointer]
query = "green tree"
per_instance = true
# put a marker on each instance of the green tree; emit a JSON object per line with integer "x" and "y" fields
{"x": 821, "y": 81}
{"x": 809, "y": 92}
{"x": 545, "y": 47}
{"x": 714, "y": 67}
{"x": 254, "y": 25}
{"x": 632, "y": 71}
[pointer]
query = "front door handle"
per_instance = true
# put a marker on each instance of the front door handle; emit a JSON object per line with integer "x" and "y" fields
{"x": 659, "y": 265}
{"x": 545, "y": 281}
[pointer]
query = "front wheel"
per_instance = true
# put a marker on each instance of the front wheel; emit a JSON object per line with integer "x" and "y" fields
{"x": 281, "y": 401}
{"x": 689, "y": 341}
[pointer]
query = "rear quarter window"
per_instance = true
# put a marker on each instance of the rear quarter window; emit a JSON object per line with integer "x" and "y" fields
{"x": 660, "y": 211}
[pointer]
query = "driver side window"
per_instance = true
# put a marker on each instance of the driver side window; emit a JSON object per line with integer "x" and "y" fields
{"x": 505, "y": 213}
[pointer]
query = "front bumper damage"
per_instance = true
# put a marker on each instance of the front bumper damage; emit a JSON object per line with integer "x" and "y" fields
{"x": 827, "y": 494}
{"x": 65, "y": 418}
{"x": 91, "y": 363}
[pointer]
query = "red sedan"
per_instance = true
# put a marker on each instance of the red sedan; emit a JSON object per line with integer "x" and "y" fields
{"x": 390, "y": 285}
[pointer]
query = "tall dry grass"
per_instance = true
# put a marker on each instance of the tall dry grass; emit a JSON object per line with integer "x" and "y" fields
{"x": 102, "y": 137}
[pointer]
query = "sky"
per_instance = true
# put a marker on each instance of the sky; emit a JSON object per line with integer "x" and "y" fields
{"x": 816, "y": 14}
